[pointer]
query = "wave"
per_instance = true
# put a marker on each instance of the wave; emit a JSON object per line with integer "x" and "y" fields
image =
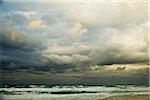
{"x": 73, "y": 90}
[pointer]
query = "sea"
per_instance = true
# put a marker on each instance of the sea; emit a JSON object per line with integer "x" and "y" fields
{"x": 68, "y": 92}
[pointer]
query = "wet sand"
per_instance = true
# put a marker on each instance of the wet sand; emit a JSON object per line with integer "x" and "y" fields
{"x": 128, "y": 97}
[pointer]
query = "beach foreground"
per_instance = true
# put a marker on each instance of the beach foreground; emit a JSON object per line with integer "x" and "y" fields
{"x": 77, "y": 97}
{"x": 128, "y": 97}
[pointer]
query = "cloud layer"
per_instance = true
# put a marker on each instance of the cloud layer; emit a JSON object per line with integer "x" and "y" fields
{"x": 58, "y": 37}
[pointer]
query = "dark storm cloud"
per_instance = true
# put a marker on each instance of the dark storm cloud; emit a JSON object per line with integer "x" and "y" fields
{"x": 138, "y": 77}
{"x": 19, "y": 50}
{"x": 13, "y": 38}
{"x": 1, "y": 1}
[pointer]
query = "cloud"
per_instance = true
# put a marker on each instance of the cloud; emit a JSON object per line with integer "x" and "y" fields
{"x": 108, "y": 15}
{"x": 27, "y": 14}
{"x": 108, "y": 75}
{"x": 68, "y": 49}
{"x": 77, "y": 30}
{"x": 75, "y": 36}
{"x": 17, "y": 47}
{"x": 127, "y": 68}
{"x": 35, "y": 24}
{"x": 12, "y": 37}
{"x": 74, "y": 59}
{"x": 82, "y": 42}
{"x": 118, "y": 54}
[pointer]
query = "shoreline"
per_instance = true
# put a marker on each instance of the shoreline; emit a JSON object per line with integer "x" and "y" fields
{"x": 128, "y": 97}
{"x": 86, "y": 96}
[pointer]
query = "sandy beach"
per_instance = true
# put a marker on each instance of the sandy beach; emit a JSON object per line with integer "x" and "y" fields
{"x": 75, "y": 97}
{"x": 128, "y": 97}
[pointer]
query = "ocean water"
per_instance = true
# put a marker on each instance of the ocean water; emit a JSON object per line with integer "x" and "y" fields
{"x": 78, "y": 92}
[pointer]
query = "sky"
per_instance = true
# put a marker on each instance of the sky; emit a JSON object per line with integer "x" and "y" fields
{"x": 91, "y": 43}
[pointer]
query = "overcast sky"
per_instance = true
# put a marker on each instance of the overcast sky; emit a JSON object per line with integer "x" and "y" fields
{"x": 74, "y": 42}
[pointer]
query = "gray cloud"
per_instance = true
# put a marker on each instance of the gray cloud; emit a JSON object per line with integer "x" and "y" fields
{"x": 19, "y": 49}
{"x": 107, "y": 76}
